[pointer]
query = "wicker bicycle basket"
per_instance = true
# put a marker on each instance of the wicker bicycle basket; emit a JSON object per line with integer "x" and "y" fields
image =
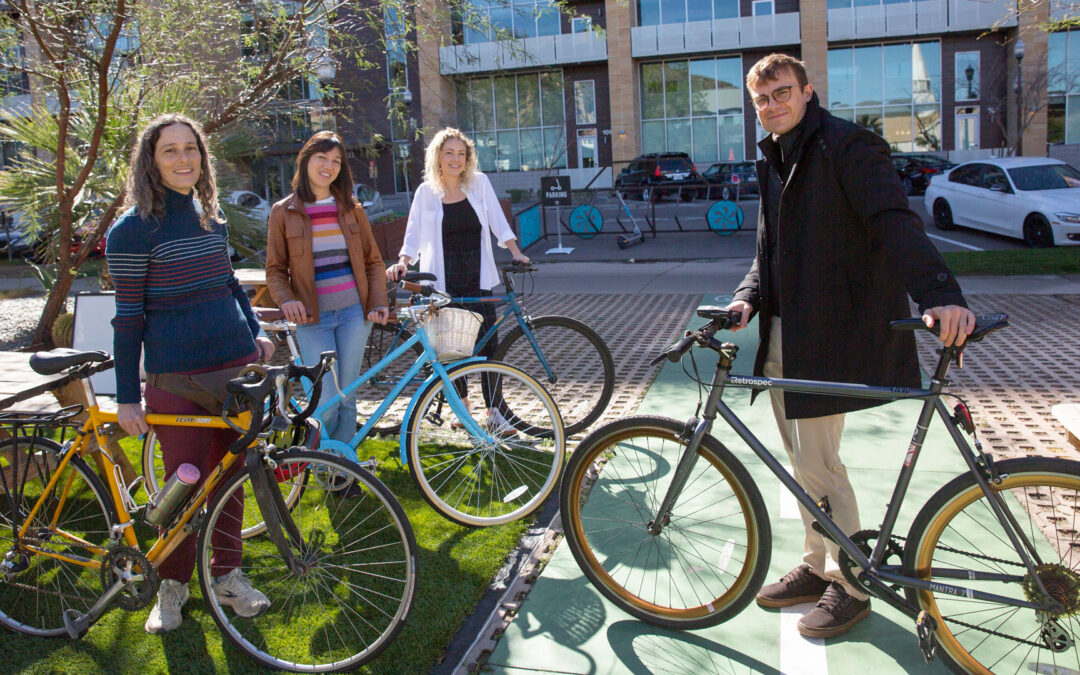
{"x": 453, "y": 332}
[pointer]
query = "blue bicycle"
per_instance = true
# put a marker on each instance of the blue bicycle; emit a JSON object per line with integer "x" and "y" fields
{"x": 473, "y": 472}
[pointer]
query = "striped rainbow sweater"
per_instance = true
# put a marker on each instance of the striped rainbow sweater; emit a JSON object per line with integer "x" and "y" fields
{"x": 176, "y": 296}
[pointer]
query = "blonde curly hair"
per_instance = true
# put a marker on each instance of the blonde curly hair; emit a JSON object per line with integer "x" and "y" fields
{"x": 145, "y": 190}
{"x": 432, "y": 170}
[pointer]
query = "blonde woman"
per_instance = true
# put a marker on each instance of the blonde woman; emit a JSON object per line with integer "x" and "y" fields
{"x": 453, "y": 215}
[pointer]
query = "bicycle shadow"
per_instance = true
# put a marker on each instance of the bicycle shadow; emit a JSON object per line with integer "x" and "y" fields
{"x": 644, "y": 649}
{"x": 574, "y": 617}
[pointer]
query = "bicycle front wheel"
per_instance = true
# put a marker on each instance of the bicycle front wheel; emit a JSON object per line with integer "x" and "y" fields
{"x": 956, "y": 534}
{"x": 579, "y": 371}
{"x": 356, "y": 576}
{"x": 154, "y": 472}
{"x": 499, "y": 475}
{"x": 712, "y": 552}
{"x": 381, "y": 341}
{"x": 70, "y": 529}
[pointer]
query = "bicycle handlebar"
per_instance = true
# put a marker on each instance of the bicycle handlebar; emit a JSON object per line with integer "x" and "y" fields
{"x": 719, "y": 319}
{"x": 256, "y": 383}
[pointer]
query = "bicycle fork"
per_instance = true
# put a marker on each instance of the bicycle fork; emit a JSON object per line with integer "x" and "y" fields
{"x": 274, "y": 511}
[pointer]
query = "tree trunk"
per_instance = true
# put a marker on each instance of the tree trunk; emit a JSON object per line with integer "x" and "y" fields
{"x": 42, "y": 338}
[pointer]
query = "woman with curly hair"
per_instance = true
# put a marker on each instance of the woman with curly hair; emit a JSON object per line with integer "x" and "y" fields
{"x": 454, "y": 213}
{"x": 179, "y": 303}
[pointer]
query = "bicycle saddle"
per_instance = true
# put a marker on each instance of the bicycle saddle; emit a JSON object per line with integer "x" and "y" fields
{"x": 984, "y": 325}
{"x": 59, "y": 360}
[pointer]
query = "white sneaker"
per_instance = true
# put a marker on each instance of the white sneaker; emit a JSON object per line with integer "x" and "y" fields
{"x": 498, "y": 425}
{"x": 165, "y": 615}
{"x": 235, "y": 590}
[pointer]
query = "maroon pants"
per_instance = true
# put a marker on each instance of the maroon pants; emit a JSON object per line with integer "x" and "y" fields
{"x": 204, "y": 448}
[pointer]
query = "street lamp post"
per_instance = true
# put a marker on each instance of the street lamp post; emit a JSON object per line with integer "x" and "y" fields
{"x": 1018, "y": 50}
{"x": 406, "y": 98}
{"x": 969, "y": 72}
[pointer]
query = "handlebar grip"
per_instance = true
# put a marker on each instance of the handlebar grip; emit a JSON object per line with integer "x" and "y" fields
{"x": 676, "y": 351}
{"x": 422, "y": 289}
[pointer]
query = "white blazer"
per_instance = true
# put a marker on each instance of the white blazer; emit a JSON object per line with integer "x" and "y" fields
{"x": 423, "y": 233}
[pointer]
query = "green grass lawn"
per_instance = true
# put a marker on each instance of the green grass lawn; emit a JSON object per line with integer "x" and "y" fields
{"x": 455, "y": 567}
{"x": 1061, "y": 260}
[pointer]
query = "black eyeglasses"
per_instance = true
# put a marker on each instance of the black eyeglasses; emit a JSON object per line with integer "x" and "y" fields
{"x": 780, "y": 95}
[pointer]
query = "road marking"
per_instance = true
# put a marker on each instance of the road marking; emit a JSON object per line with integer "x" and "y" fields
{"x": 805, "y": 656}
{"x": 789, "y": 506}
{"x": 955, "y": 243}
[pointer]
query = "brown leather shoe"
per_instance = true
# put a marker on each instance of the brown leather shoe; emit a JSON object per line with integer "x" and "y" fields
{"x": 797, "y": 586}
{"x": 835, "y": 613}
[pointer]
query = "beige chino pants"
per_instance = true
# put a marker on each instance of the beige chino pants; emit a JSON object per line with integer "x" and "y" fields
{"x": 813, "y": 448}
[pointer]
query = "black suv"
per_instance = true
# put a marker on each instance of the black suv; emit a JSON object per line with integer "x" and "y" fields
{"x": 652, "y": 176}
{"x": 728, "y": 179}
{"x": 916, "y": 170}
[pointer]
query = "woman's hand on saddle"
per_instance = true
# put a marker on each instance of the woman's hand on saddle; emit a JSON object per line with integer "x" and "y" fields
{"x": 132, "y": 418}
{"x": 295, "y": 311}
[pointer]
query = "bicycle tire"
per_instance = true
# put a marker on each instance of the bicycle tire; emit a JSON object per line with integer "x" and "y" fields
{"x": 1042, "y": 494}
{"x": 33, "y": 599}
{"x": 381, "y": 340}
{"x": 725, "y": 218}
{"x": 358, "y": 566}
{"x": 490, "y": 480}
{"x": 154, "y": 477}
{"x": 681, "y": 578}
{"x": 586, "y": 221}
{"x": 580, "y": 361}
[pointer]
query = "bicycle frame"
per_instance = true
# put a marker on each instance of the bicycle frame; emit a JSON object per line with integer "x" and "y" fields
{"x": 93, "y": 428}
{"x": 874, "y": 574}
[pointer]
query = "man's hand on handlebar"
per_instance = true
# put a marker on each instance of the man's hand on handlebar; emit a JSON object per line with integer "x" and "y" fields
{"x": 743, "y": 307}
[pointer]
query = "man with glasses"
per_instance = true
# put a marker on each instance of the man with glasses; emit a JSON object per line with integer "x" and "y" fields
{"x": 838, "y": 251}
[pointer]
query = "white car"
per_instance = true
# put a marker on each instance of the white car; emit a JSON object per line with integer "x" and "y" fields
{"x": 369, "y": 198}
{"x": 1031, "y": 198}
{"x": 259, "y": 207}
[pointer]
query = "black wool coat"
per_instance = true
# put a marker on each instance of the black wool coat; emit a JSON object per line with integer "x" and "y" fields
{"x": 850, "y": 250}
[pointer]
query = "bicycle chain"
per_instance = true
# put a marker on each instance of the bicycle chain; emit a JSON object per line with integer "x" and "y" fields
{"x": 995, "y": 633}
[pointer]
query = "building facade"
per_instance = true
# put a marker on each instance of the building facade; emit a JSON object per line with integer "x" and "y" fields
{"x": 538, "y": 89}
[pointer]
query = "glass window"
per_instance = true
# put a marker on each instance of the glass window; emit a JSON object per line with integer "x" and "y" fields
{"x": 1072, "y": 119}
{"x": 585, "y": 102}
{"x": 967, "y": 128}
{"x": 869, "y": 118}
{"x": 648, "y": 12}
{"x": 897, "y": 127}
{"x": 485, "y": 150}
{"x": 505, "y": 102}
{"x": 993, "y": 176}
{"x": 1045, "y": 177}
{"x": 554, "y": 147}
{"x": 673, "y": 11}
{"x": 528, "y": 101}
{"x": 652, "y": 91}
{"x": 679, "y": 139}
{"x": 532, "y": 149}
{"x": 705, "y": 140}
{"x": 1055, "y": 119}
{"x": 697, "y": 10}
{"x": 725, "y": 9}
{"x": 897, "y": 67}
{"x": 927, "y": 127}
{"x": 837, "y": 4}
{"x": 731, "y": 138}
{"x": 480, "y": 104}
{"x": 965, "y": 175}
{"x": 729, "y": 86}
{"x": 867, "y": 75}
{"x": 581, "y": 24}
{"x": 967, "y": 76}
{"x": 1073, "y": 63}
{"x": 587, "y": 158}
{"x": 652, "y": 137}
{"x": 703, "y": 87}
{"x": 841, "y": 78}
{"x": 551, "y": 96}
{"x": 676, "y": 89}
{"x": 548, "y": 20}
{"x": 1056, "y": 73}
{"x": 524, "y": 20}
{"x": 507, "y": 152}
{"x": 763, "y": 7}
{"x": 926, "y": 72}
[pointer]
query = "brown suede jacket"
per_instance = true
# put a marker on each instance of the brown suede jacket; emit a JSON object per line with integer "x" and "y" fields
{"x": 290, "y": 267}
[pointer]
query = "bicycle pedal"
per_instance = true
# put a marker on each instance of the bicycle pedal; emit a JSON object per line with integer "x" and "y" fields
{"x": 924, "y": 629}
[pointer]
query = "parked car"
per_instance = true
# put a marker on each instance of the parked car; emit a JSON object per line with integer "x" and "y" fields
{"x": 13, "y": 235}
{"x": 369, "y": 198}
{"x": 1031, "y": 198}
{"x": 652, "y": 176}
{"x": 259, "y": 207}
{"x": 730, "y": 179}
{"x": 917, "y": 169}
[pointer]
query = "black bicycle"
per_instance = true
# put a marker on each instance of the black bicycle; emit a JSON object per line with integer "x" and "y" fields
{"x": 668, "y": 525}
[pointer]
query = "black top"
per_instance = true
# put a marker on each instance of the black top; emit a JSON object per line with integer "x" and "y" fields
{"x": 777, "y": 177}
{"x": 461, "y": 232}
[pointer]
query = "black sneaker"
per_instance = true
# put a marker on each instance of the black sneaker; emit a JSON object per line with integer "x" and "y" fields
{"x": 835, "y": 613}
{"x": 797, "y": 586}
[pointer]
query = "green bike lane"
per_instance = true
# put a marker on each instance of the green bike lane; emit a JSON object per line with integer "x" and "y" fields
{"x": 564, "y": 625}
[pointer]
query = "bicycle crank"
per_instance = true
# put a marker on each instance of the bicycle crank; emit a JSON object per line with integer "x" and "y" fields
{"x": 127, "y": 568}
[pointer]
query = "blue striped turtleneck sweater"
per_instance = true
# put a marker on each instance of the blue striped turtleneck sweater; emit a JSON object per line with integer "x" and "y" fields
{"x": 176, "y": 296}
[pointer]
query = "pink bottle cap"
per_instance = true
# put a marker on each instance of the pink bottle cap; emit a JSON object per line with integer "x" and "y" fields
{"x": 188, "y": 473}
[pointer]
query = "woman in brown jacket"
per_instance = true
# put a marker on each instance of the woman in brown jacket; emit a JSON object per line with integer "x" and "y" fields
{"x": 324, "y": 270}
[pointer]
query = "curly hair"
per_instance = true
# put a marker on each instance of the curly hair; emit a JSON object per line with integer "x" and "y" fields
{"x": 432, "y": 170}
{"x": 144, "y": 188}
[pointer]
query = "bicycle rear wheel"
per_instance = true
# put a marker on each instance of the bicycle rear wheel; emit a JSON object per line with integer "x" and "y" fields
{"x": 154, "y": 471}
{"x": 74, "y": 521}
{"x": 582, "y": 375}
{"x": 956, "y": 531}
{"x": 381, "y": 341}
{"x": 713, "y": 552}
{"x": 499, "y": 476}
{"x": 357, "y": 577}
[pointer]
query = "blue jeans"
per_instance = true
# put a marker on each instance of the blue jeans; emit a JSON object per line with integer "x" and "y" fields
{"x": 346, "y": 332}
